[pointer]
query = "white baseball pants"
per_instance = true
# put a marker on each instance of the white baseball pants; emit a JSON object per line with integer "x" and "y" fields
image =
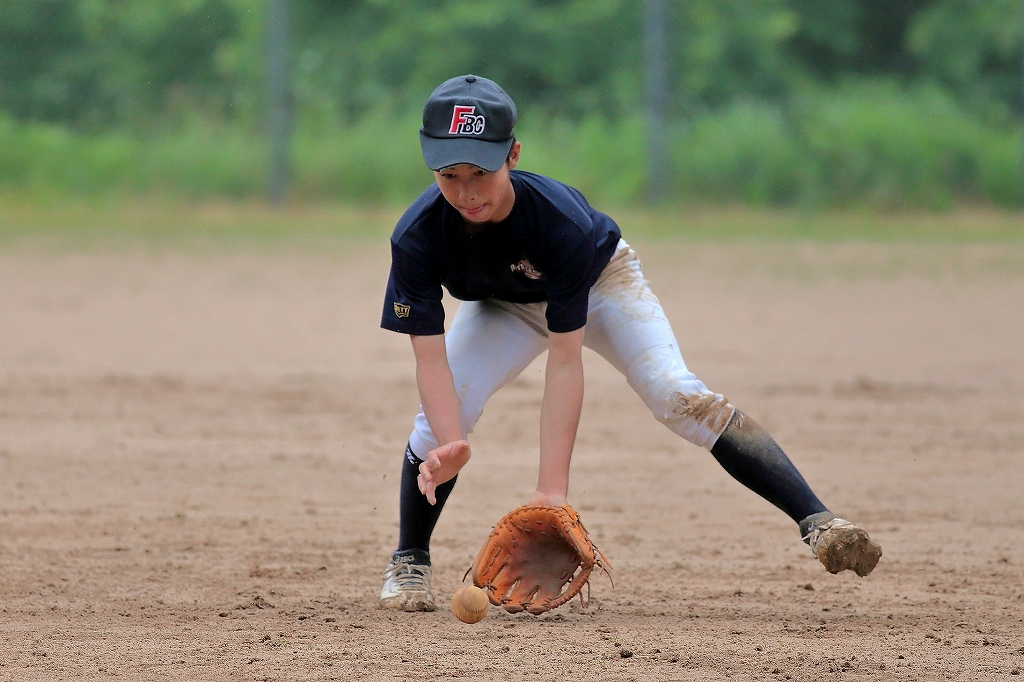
{"x": 490, "y": 342}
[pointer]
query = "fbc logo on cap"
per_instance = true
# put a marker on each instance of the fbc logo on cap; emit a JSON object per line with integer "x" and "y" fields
{"x": 467, "y": 119}
{"x": 465, "y": 122}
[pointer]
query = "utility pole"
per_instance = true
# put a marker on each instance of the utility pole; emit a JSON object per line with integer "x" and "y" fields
{"x": 656, "y": 90}
{"x": 279, "y": 95}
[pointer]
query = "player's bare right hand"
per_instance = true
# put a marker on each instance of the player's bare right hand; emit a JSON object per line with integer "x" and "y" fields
{"x": 442, "y": 465}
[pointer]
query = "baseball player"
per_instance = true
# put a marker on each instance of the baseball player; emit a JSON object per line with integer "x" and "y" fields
{"x": 536, "y": 268}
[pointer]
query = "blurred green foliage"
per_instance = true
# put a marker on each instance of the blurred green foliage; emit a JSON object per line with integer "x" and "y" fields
{"x": 96, "y": 64}
{"x": 791, "y": 102}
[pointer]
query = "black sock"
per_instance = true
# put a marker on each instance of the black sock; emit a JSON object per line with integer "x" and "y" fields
{"x": 416, "y": 516}
{"x": 753, "y": 458}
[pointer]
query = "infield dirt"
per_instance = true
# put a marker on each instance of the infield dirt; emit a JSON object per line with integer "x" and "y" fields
{"x": 199, "y": 454}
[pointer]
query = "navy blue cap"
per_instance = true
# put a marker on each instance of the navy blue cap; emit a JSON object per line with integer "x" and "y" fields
{"x": 467, "y": 119}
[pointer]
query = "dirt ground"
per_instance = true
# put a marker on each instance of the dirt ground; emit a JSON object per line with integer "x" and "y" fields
{"x": 199, "y": 453}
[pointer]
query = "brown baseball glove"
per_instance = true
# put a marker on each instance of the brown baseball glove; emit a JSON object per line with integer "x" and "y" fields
{"x": 536, "y": 558}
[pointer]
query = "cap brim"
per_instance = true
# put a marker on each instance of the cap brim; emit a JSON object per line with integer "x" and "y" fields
{"x": 443, "y": 152}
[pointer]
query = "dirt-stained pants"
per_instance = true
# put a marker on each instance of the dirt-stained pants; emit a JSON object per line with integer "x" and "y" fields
{"x": 490, "y": 342}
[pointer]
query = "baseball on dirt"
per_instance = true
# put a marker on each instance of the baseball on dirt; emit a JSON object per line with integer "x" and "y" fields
{"x": 469, "y": 604}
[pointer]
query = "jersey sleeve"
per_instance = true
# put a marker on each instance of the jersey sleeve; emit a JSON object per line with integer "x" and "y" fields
{"x": 412, "y": 303}
{"x": 569, "y": 290}
{"x": 576, "y": 242}
{"x": 578, "y": 259}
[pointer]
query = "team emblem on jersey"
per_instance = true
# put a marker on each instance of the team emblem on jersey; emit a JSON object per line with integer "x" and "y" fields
{"x": 526, "y": 267}
{"x": 402, "y": 310}
{"x": 465, "y": 122}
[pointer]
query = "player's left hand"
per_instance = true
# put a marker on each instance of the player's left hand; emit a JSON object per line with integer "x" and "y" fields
{"x": 442, "y": 465}
{"x": 536, "y": 559}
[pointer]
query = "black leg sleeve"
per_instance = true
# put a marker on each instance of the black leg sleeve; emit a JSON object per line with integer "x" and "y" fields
{"x": 753, "y": 458}
{"x": 416, "y": 516}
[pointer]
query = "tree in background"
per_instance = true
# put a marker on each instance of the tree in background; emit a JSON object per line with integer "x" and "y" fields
{"x": 103, "y": 62}
{"x": 765, "y": 98}
{"x": 974, "y": 50}
{"x": 96, "y": 64}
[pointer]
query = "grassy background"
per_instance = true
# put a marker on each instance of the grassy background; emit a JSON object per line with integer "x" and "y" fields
{"x": 137, "y": 222}
{"x": 868, "y": 145}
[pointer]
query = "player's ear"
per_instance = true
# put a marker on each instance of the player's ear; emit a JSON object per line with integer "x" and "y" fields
{"x": 513, "y": 155}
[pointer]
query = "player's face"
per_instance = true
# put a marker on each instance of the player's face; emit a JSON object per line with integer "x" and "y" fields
{"x": 479, "y": 196}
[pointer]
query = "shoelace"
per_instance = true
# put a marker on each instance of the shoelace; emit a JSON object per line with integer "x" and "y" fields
{"x": 814, "y": 537}
{"x": 408, "y": 576}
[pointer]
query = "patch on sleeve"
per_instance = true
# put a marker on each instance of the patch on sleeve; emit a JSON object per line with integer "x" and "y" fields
{"x": 402, "y": 310}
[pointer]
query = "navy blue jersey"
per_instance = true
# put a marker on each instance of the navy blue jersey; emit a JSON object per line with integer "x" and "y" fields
{"x": 552, "y": 247}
